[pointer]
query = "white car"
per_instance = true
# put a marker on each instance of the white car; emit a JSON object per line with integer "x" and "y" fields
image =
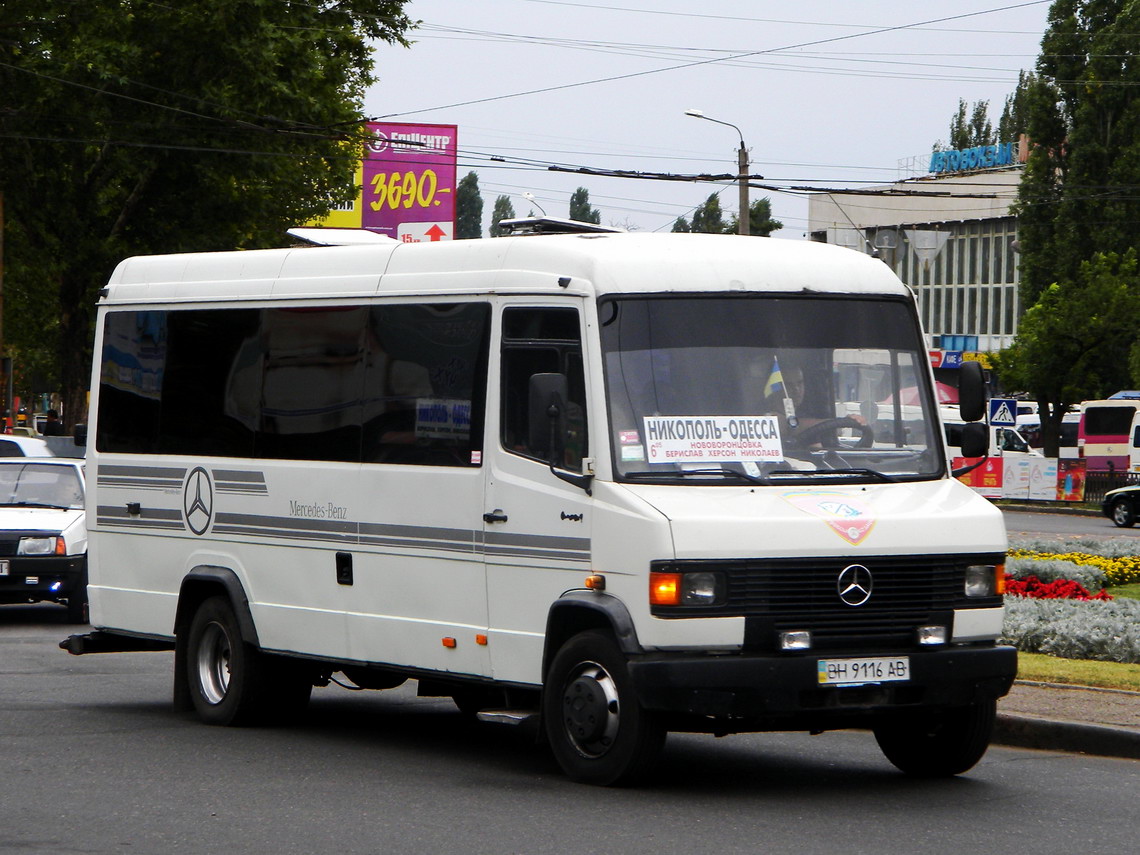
{"x": 43, "y": 533}
{"x": 12, "y": 445}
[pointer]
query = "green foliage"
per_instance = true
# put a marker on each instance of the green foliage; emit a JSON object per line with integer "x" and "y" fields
{"x": 1071, "y": 343}
{"x": 1011, "y": 125}
{"x": 760, "y": 220}
{"x": 708, "y": 217}
{"x": 468, "y": 208}
{"x": 1076, "y": 203}
{"x": 580, "y": 209}
{"x": 1083, "y": 114}
{"x": 681, "y": 225}
{"x": 503, "y": 210}
{"x": 134, "y": 127}
{"x": 973, "y": 131}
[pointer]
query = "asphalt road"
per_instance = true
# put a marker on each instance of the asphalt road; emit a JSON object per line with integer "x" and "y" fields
{"x": 94, "y": 760}
{"x": 1064, "y": 525}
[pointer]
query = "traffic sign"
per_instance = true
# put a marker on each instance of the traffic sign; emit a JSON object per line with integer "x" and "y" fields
{"x": 1003, "y": 412}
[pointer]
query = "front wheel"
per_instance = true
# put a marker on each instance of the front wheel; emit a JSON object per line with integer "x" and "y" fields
{"x": 1122, "y": 513}
{"x": 597, "y": 730}
{"x": 938, "y": 744}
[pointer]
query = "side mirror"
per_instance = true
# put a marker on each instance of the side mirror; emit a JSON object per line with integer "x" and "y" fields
{"x": 975, "y": 440}
{"x": 80, "y": 432}
{"x": 971, "y": 392}
{"x": 546, "y": 416}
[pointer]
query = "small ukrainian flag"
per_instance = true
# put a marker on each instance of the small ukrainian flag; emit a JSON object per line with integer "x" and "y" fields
{"x": 775, "y": 384}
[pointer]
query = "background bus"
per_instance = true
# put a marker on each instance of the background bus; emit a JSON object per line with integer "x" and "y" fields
{"x": 1108, "y": 435}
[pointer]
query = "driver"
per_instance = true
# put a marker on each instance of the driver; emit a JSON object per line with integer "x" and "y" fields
{"x": 784, "y": 397}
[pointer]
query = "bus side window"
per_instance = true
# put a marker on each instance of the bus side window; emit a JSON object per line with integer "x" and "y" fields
{"x": 542, "y": 341}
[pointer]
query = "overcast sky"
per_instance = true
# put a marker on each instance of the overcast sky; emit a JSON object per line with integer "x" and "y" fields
{"x": 825, "y": 94}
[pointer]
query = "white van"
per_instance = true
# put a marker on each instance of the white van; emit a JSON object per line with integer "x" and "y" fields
{"x": 556, "y": 477}
{"x": 1006, "y": 442}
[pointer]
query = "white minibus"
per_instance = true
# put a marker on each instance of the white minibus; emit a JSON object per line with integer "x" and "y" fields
{"x": 611, "y": 484}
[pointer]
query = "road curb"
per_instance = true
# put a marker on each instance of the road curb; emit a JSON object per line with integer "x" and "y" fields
{"x": 1024, "y": 731}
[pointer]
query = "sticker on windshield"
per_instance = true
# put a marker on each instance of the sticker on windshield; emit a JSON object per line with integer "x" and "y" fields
{"x": 712, "y": 439}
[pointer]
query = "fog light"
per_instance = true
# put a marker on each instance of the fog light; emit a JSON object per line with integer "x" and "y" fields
{"x": 797, "y": 640}
{"x": 930, "y": 635}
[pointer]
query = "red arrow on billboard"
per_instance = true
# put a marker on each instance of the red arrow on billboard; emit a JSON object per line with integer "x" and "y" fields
{"x": 435, "y": 232}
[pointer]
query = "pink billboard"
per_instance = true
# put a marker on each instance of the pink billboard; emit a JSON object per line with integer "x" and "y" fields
{"x": 409, "y": 181}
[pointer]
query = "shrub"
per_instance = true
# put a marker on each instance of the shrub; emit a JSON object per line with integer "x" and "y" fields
{"x": 1050, "y": 570}
{"x": 1074, "y": 629}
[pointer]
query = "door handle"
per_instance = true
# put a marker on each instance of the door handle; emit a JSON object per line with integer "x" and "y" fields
{"x": 494, "y": 516}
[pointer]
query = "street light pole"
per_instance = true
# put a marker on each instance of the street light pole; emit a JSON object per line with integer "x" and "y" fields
{"x": 745, "y": 217}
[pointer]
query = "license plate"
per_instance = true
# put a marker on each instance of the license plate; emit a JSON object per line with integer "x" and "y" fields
{"x": 852, "y": 672}
{"x": 3, "y": 567}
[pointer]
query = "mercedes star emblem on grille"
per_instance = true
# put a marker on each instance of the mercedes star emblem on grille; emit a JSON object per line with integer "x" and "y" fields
{"x": 854, "y": 585}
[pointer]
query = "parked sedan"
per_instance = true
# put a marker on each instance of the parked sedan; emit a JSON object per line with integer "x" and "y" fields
{"x": 43, "y": 533}
{"x": 1121, "y": 505}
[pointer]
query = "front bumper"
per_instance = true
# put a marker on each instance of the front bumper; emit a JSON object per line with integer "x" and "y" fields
{"x": 768, "y": 692}
{"x": 32, "y": 578}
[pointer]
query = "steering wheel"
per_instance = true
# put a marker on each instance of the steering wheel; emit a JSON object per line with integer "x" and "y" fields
{"x": 818, "y": 431}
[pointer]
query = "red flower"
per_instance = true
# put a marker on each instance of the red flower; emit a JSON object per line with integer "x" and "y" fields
{"x": 1059, "y": 589}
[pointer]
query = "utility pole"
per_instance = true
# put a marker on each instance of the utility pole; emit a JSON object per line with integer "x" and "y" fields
{"x": 742, "y": 180}
{"x": 744, "y": 221}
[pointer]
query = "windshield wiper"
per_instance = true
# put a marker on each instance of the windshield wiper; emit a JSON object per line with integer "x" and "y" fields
{"x": 685, "y": 473}
{"x": 34, "y": 505}
{"x": 853, "y": 473}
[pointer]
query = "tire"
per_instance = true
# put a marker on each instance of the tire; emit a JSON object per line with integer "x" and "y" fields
{"x": 938, "y": 744}
{"x": 597, "y": 730}
{"x": 231, "y": 682}
{"x": 1122, "y": 513}
{"x": 77, "y": 606}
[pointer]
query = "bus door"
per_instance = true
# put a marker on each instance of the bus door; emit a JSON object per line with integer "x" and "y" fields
{"x": 537, "y": 527}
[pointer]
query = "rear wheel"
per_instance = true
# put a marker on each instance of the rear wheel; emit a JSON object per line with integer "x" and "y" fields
{"x": 938, "y": 744}
{"x": 598, "y": 731}
{"x": 1122, "y": 513}
{"x": 232, "y": 682}
{"x": 77, "y": 608}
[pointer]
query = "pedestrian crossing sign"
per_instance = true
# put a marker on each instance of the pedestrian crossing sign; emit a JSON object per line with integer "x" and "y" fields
{"x": 1003, "y": 412}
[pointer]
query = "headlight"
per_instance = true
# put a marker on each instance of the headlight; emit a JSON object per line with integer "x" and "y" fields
{"x": 41, "y": 546}
{"x": 985, "y": 580}
{"x": 700, "y": 588}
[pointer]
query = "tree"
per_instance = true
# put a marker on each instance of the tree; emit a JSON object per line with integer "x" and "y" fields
{"x": 1077, "y": 196}
{"x": 1077, "y": 200}
{"x": 975, "y": 131}
{"x": 1011, "y": 125}
{"x": 468, "y": 208}
{"x": 760, "y": 220}
{"x": 681, "y": 225}
{"x": 158, "y": 127}
{"x": 504, "y": 210}
{"x": 708, "y": 216}
{"x": 580, "y": 209}
{"x": 1071, "y": 344}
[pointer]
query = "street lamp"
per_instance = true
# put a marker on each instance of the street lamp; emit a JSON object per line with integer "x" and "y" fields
{"x": 742, "y": 171}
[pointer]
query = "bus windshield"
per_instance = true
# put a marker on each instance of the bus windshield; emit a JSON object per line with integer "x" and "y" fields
{"x": 768, "y": 388}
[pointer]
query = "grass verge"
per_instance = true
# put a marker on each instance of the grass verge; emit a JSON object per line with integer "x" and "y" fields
{"x": 1079, "y": 672}
{"x": 1131, "y": 591}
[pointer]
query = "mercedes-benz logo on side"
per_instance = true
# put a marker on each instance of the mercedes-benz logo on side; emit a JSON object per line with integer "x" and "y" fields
{"x": 198, "y": 501}
{"x": 854, "y": 585}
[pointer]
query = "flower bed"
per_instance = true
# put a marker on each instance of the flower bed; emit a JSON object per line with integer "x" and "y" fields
{"x": 1049, "y": 607}
{"x": 1120, "y": 570}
